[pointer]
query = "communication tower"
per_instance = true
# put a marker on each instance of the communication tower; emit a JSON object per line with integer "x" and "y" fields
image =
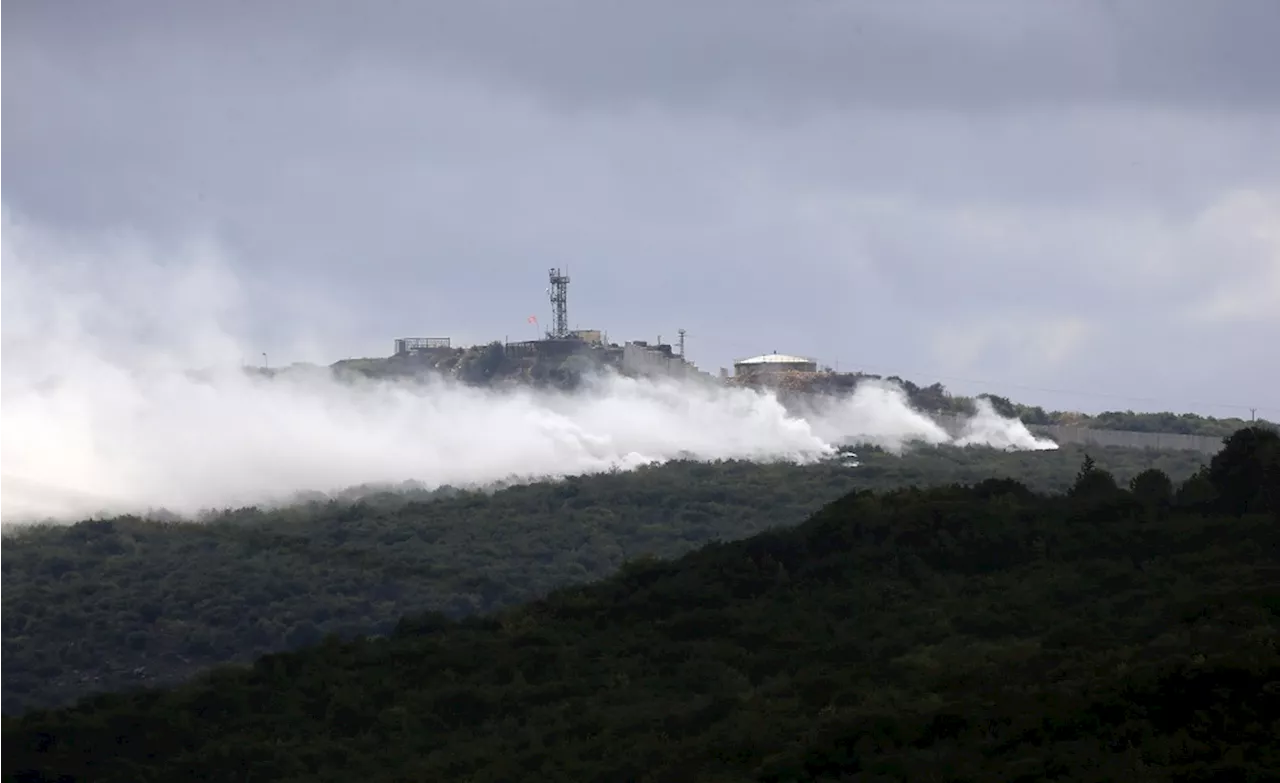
{"x": 682, "y": 333}
{"x": 559, "y": 293}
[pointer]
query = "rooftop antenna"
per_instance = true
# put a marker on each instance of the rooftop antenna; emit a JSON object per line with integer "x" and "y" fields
{"x": 682, "y": 333}
{"x": 559, "y": 293}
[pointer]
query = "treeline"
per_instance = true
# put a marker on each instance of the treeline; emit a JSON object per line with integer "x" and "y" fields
{"x": 936, "y": 398}
{"x": 111, "y": 603}
{"x": 1118, "y": 631}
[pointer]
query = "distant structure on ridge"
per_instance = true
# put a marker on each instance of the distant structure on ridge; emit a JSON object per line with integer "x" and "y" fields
{"x": 557, "y": 345}
{"x": 770, "y": 364}
{"x": 408, "y": 346}
{"x": 559, "y": 293}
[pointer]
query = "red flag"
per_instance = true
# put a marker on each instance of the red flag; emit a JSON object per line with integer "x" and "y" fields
{"x": 533, "y": 319}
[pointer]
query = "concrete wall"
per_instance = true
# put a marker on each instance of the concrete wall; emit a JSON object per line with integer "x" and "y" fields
{"x": 592, "y": 336}
{"x": 642, "y": 360}
{"x": 1087, "y": 436}
{"x": 1205, "y": 444}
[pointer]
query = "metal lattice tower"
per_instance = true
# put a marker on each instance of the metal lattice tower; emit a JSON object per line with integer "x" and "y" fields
{"x": 682, "y": 333}
{"x": 559, "y": 293}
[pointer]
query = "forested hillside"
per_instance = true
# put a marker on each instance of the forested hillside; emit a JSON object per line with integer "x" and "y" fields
{"x": 983, "y": 632}
{"x": 112, "y": 603}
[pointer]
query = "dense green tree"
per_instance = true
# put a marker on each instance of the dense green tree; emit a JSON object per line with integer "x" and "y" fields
{"x": 1153, "y": 490}
{"x": 483, "y": 365}
{"x": 1093, "y": 484}
{"x": 1152, "y": 485}
{"x": 78, "y": 600}
{"x": 1196, "y": 491}
{"x": 1242, "y": 472}
{"x": 1001, "y": 405}
{"x": 1034, "y": 415}
{"x": 949, "y": 633}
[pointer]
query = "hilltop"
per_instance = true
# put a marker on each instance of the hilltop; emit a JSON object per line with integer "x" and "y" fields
{"x": 961, "y": 632}
{"x": 566, "y": 365}
{"x": 492, "y": 364}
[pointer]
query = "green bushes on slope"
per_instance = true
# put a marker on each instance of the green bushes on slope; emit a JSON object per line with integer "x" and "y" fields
{"x": 109, "y": 604}
{"x": 965, "y": 633}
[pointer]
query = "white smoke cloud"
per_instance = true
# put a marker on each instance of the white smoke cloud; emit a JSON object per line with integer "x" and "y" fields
{"x": 101, "y": 412}
{"x": 879, "y": 413}
{"x": 988, "y": 428}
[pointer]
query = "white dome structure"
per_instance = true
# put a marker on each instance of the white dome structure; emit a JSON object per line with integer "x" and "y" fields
{"x": 774, "y": 362}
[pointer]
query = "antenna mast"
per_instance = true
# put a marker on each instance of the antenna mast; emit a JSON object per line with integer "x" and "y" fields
{"x": 681, "y": 332}
{"x": 559, "y": 293}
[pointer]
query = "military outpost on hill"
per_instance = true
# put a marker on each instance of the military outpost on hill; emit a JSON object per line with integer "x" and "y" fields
{"x": 563, "y": 357}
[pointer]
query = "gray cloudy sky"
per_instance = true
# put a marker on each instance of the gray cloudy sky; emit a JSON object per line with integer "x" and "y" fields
{"x": 1078, "y": 196}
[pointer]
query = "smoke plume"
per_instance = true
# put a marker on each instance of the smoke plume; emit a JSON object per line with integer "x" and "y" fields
{"x": 103, "y": 413}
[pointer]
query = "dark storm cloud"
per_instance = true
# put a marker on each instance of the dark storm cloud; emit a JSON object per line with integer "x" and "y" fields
{"x": 814, "y": 53}
{"x": 1067, "y": 194}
